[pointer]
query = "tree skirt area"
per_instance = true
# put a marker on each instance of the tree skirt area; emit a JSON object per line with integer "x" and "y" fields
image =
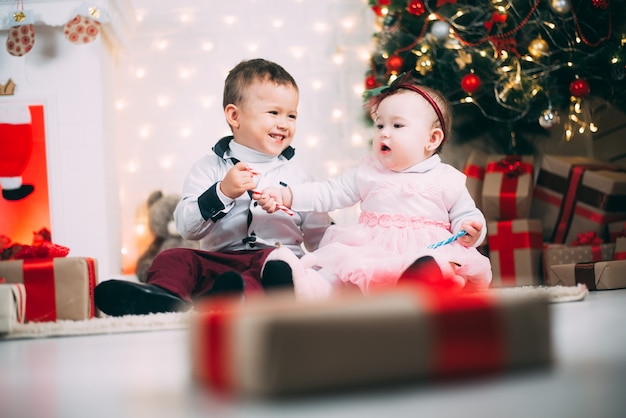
{"x": 180, "y": 320}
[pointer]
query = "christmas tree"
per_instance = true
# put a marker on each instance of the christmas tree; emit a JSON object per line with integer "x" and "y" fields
{"x": 512, "y": 69}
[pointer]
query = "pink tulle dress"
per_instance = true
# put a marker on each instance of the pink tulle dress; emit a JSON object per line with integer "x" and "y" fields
{"x": 401, "y": 214}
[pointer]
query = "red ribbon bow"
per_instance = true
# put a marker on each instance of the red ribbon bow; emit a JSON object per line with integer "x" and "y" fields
{"x": 587, "y": 238}
{"x": 512, "y": 167}
{"x": 42, "y": 248}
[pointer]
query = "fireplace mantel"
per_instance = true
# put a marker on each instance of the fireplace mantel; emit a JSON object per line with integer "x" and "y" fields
{"x": 75, "y": 84}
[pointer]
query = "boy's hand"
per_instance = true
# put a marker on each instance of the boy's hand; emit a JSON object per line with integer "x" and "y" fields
{"x": 237, "y": 181}
{"x": 473, "y": 229}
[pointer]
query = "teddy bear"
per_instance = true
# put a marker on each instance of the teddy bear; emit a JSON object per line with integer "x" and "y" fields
{"x": 161, "y": 222}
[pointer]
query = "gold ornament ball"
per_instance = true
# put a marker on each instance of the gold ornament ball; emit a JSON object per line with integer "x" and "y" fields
{"x": 538, "y": 48}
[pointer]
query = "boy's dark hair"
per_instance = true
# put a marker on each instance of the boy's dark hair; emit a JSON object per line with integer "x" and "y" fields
{"x": 246, "y": 72}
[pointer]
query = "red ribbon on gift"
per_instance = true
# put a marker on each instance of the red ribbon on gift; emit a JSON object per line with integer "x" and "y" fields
{"x": 474, "y": 171}
{"x": 505, "y": 241}
{"x": 215, "y": 328}
{"x": 512, "y": 167}
{"x": 39, "y": 284}
{"x": 456, "y": 351}
{"x": 592, "y": 239}
{"x": 587, "y": 238}
{"x": 585, "y": 273}
{"x": 566, "y": 211}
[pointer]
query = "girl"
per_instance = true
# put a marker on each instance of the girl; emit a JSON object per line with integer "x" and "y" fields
{"x": 409, "y": 199}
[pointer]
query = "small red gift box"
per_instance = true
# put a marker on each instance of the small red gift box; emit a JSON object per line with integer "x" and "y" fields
{"x": 508, "y": 186}
{"x": 273, "y": 346}
{"x": 577, "y": 194}
{"x": 474, "y": 170}
{"x": 560, "y": 254}
{"x": 56, "y": 288}
{"x": 515, "y": 252}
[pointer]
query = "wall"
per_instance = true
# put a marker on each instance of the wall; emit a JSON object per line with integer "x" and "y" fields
{"x": 72, "y": 82}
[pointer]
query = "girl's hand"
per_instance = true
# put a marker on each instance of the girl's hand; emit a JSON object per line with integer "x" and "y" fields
{"x": 473, "y": 229}
{"x": 238, "y": 180}
{"x": 272, "y": 199}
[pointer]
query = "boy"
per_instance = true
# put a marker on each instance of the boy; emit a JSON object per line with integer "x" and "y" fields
{"x": 236, "y": 236}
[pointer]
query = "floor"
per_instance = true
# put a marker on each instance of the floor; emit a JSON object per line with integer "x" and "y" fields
{"x": 147, "y": 375}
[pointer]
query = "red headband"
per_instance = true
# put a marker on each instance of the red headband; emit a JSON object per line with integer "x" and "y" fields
{"x": 401, "y": 83}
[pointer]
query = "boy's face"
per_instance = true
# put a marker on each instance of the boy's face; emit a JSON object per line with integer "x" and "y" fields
{"x": 404, "y": 131}
{"x": 266, "y": 119}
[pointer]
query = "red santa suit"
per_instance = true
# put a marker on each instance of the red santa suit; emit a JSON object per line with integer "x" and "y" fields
{"x": 16, "y": 145}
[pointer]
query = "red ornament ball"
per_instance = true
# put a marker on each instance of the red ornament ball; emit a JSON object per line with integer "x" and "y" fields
{"x": 601, "y": 4}
{"x": 470, "y": 83}
{"x": 394, "y": 63}
{"x": 579, "y": 88}
{"x": 370, "y": 82}
{"x": 416, "y": 7}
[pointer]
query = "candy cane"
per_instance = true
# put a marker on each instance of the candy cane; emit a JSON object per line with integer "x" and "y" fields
{"x": 449, "y": 240}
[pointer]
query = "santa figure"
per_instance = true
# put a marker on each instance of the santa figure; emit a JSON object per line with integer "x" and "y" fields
{"x": 16, "y": 146}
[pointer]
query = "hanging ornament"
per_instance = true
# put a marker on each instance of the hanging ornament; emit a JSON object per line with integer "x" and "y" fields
{"x": 21, "y": 32}
{"x": 370, "y": 82}
{"x": 579, "y": 88}
{"x": 463, "y": 59}
{"x": 561, "y": 7}
{"x": 440, "y": 29}
{"x": 600, "y": 4}
{"x": 470, "y": 83}
{"x": 538, "y": 47}
{"x": 85, "y": 26}
{"x": 416, "y": 7}
{"x": 394, "y": 64}
{"x": 424, "y": 65}
{"x": 549, "y": 118}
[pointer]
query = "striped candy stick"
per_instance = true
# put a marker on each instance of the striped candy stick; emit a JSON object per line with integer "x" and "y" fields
{"x": 449, "y": 240}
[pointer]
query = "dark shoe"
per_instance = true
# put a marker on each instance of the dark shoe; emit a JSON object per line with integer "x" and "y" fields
{"x": 229, "y": 283}
{"x": 18, "y": 194}
{"x": 121, "y": 297}
{"x": 277, "y": 274}
{"x": 423, "y": 270}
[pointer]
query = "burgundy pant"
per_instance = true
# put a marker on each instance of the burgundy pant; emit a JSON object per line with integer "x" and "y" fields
{"x": 189, "y": 273}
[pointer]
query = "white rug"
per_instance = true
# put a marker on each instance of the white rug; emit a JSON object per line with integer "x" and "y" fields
{"x": 103, "y": 325}
{"x": 169, "y": 321}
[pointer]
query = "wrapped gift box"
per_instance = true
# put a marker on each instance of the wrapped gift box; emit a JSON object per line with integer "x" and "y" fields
{"x": 57, "y": 288}
{"x": 475, "y": 171}
{"x": 557, "y": 254}
{"x": 601, "y": 275}
{"x": 12, "y": 306}
{"x": 274, "y": 346}
{"x": 620, "y": 249}
{"x": 515, "y": 252}
{"x": 508, "y": 186}
{"x": 577, "y": 194}
{"x": 616, "y": 230}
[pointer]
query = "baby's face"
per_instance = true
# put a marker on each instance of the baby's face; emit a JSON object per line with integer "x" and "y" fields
{"x": 404, "y": 131}
{"x": 266, "y": 119}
